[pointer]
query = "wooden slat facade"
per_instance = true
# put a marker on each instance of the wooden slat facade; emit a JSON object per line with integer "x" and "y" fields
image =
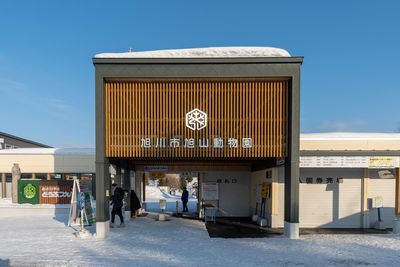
{"x": 143, "y": 111}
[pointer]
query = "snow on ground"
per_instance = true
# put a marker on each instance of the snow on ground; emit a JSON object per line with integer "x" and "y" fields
{"x": 153, "y": 196}
{"x": 46, "y": 241}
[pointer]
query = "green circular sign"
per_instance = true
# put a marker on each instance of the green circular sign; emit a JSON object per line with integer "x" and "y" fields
{"x": 29, "y": 191}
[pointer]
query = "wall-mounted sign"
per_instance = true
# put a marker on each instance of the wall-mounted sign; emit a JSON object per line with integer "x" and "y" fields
{"x": 378, "y": 202}
{"x": 321, "y": 180}
{"x": 381, "y": 162}
{"x": 189, "y": 175}
{"x": 156, "y": 175}
{"x": 155, "y": 168}
{"x": 210, "y": 191}
{"x": 349, "y": 162}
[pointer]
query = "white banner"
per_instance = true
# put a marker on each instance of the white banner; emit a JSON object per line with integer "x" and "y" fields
{"x": 349, "y": 162}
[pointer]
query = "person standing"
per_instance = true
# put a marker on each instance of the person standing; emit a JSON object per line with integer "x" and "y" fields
{"x": 117, "y": 198}
{"x": 135, "y": 204}
{"x": 185, "y": 199}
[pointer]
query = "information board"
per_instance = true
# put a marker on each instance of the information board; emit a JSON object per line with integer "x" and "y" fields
{"x": 210, "y": 191}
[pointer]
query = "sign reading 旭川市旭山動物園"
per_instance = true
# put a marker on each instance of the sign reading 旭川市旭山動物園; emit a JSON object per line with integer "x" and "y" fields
{"x": 176, "y": 142}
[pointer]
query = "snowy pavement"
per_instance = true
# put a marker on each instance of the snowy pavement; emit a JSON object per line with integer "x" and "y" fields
{"x": 46, "y": 241}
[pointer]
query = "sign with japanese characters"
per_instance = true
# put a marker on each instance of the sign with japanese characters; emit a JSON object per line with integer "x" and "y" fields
{"x": 382, "y": 162}
{"x": 190, "y": 143}
{"x": 210, "y": 191}
{"x": 205, "y": 118}
{"x": 349, "y": 162}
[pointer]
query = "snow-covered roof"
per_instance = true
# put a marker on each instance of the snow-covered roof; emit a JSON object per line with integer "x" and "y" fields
{"x": 349, "y": 136}
{"x": 48, "y": 151}
{"x": 208, "y": 52}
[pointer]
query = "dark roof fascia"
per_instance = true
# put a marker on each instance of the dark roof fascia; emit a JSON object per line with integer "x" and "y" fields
{"x": 233, "y": 60}
{"x": 349, "y": 153}
{"x": 24, "y": 140}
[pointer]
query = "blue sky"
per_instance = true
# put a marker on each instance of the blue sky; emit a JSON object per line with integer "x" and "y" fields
{"x": 349, "y": 75}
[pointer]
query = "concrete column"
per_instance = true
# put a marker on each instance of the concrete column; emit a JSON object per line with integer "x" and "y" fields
{"x": 274, "y": 197}
{"x": 365, "y": 216}
{"x": 292, "y": 172}
{"x": 102, "y": 198}
{"x": 396, "y": 221}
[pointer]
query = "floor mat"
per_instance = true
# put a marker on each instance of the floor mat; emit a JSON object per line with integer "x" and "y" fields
{"x": 238, "y": 228}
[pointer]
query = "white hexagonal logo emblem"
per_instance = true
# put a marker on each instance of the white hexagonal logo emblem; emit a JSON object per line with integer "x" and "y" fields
{"x": 196, "y": 119}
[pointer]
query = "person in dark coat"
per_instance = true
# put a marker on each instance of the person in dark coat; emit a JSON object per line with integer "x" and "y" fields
{"x": 185, "y": 199}
{"x": 117, "y": 198}
{"x": 135, "y": 204}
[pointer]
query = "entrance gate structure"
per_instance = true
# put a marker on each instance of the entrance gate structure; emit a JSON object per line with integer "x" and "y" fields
{"x": 211, "y": 113}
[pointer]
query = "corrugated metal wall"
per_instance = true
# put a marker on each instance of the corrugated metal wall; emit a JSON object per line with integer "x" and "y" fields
{"x": 151, "y": 110}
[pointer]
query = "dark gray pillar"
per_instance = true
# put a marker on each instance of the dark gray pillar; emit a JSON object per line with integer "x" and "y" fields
{"x": 102, "y": 165}
{"x": 292, "y": 172}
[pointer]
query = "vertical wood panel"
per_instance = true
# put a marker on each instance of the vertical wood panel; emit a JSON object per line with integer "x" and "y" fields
{"x": 156, "y": 109}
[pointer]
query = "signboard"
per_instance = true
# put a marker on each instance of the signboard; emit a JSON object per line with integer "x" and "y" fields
{"x": 265, "y": 190}
{"x": 349, "y": 162}
{"x": 163, "y": 204}
{"x": 156, "y": 175}
{"x": 333, "y": 162}
{"x": 84, "y": 186}
{"x": 188, "y": 175}
{"x": 381, "y": 162}
{"x": 55, "y": 192}
{"x": 378, "y": 202}
{"x": 210, "y": 191}
{"x": 81, "y": 198}
{"x": 155, "y": 168}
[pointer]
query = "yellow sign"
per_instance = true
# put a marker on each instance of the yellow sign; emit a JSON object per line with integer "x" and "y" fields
{"x": 381, "y": 162}
{"x": 155, "y": 175}
{"x": 265, "y": 190}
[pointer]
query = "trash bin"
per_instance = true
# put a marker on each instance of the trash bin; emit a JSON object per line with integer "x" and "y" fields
{"x": 28, "y": 191}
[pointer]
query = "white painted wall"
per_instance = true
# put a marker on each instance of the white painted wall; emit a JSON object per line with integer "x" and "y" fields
{"x": 384, "y": 188}
{"x": 331, "y": 205}
{"x": 234, "y": 198}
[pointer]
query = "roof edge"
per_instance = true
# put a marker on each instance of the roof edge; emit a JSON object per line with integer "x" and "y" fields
{"x": 208, "y": 60}
{"x": 25, "y": 140}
